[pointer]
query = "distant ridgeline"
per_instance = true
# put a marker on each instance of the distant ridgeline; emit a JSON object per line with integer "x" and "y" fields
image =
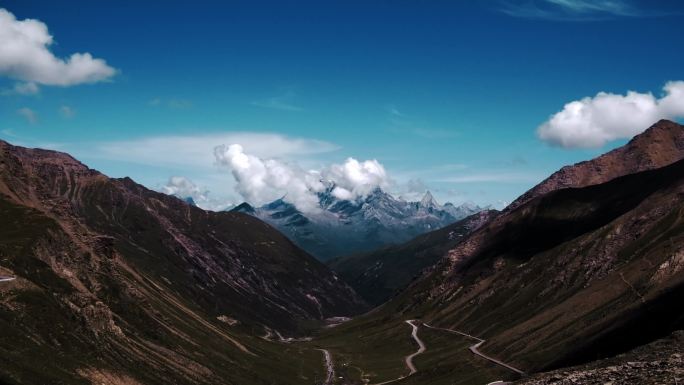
{"x": 346, "y": 227}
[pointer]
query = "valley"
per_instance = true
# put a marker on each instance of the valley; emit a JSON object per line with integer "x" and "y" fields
{"x": 158, "y": 291}
{"x": 342, "y": 192}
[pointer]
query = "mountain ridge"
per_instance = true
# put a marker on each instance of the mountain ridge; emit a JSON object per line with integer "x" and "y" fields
{"x": 382, "y": 273}
{"x": 659, "y": 145}
{"x": 361, "y": 225}
{"x": 577, "y": 252}
{"x": 117, "y": 281}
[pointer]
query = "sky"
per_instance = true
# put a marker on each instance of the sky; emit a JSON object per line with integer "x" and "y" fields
{"x": 253, "y": 100}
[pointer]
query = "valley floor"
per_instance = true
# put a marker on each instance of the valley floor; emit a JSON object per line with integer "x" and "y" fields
{"x": 381, "y": 351}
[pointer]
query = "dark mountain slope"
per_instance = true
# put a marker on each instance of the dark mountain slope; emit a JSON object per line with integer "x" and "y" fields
{"x": 120, "y": 284}
{"x": 570, "y": 276}
{"x": 659, "y": 362}
{"x": 378, "y": 275}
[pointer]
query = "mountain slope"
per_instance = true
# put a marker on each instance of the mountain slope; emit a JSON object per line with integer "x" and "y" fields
{"x": 342, "y": 227}
{"x": 571, "y": 275}
{"x": 120, "y": 284}
{"x": 378, "y": 275}
{"x": 660, "y": 145}
{"x": 567, "y": 277}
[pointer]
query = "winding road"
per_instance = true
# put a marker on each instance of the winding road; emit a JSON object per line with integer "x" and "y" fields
{"x": 329, "y": 367}
{"x": 421, "y": 348}
{"x": 474, "y": 349}
{"x": 409, "y": 359}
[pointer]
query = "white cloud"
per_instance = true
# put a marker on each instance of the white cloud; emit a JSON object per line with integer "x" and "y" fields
{"x": 592, "y": 122}
{"x": 28, "y": 114}
{"x": 25, "y": 55}
{"x": 354, "y": 178}
{"x": 184, "y": 188}
{"x": 197, "y": 150}
{"x": 67, "y": 112}
{"x": 260, "y": 180}
{"x": 263, "y": 180}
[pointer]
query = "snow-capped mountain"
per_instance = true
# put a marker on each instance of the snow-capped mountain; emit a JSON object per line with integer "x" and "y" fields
{"x": 344, "y": 227}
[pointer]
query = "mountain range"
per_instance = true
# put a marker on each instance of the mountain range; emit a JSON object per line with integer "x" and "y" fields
{"x": 119, "y": 284}
{"x": 584, "y": 266}
{"x": 579, "y": 280}
{"x": 363, "y": 224}
{"x": 380, "y": 274}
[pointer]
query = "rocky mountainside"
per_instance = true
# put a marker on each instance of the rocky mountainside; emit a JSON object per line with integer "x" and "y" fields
{"x": 379, "y": 274}
{"x": 118, "y": 284}
{"x": 660, "y": 145}
{"x": 660, "y": 362}
{"x": 342, "y": 227}
{"x": 572, "y": 274}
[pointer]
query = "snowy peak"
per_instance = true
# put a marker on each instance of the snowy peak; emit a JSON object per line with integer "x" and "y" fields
{"x": 358, "y": 225}
{"x": 429, "y": 201}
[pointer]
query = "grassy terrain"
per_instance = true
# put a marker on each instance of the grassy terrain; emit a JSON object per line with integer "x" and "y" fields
{"x": 372, "y": 349}
{"x": 43, "y": 341}
{"x": 447, "y": 361}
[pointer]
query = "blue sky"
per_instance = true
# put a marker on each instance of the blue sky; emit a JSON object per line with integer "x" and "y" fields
{"x": 447, "y": 95}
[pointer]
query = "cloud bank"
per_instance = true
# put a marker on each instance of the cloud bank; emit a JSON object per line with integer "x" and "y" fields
{"x": 593, "y": 121}
{"x": 196, "y": 151}
{"x": 260, "y": 180}
{"x": 25, "y": 56}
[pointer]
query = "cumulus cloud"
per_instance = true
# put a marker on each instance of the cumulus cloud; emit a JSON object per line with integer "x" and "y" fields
{"x": 261, "y": 180}
{"x": 354, "y": 178}
{"x": 28, "y": 114}
{"x": 594, "y": 121}
{"x": 25, "y": 55}
{"x": 184, "y": 188}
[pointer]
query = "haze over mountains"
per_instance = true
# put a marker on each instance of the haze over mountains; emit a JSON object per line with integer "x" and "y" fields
{"x": 365, "y": 223}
